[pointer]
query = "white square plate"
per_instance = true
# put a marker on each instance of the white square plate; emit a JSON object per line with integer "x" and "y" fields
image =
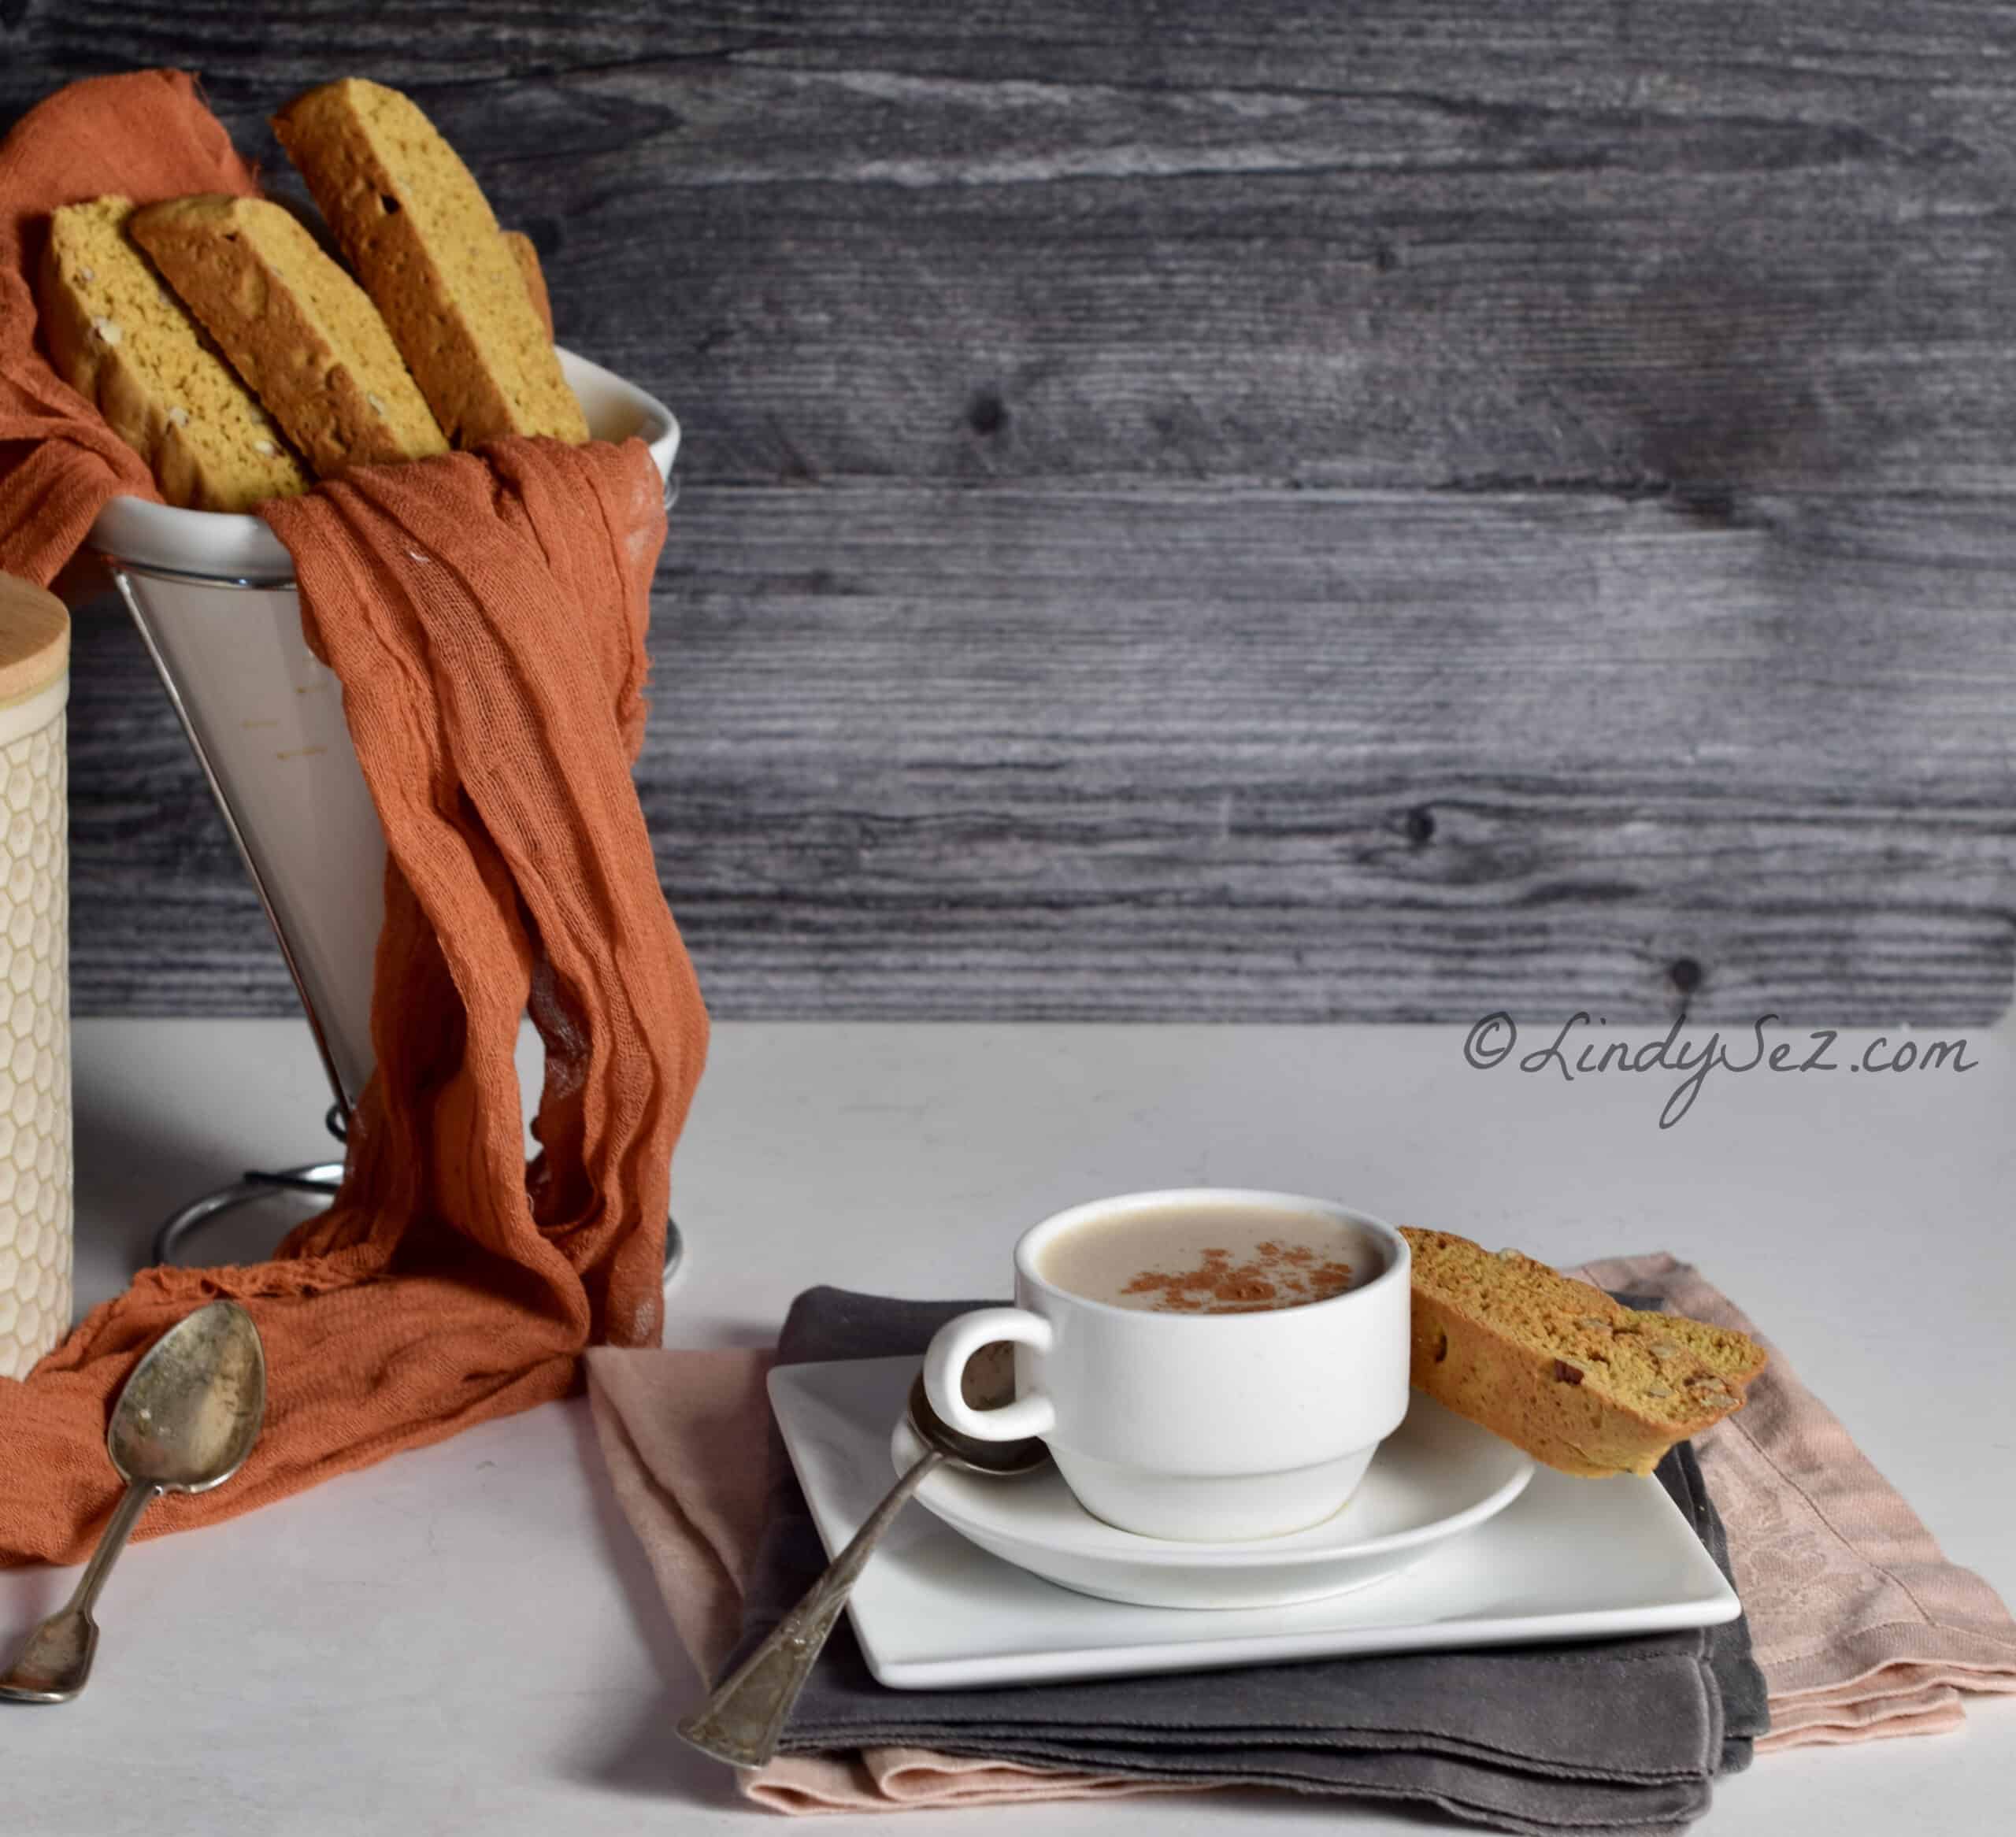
{"x": 1568, "y": 1559}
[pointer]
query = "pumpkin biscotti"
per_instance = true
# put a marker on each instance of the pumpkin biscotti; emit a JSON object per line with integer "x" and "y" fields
{"x": 1556, "y": 1367}
{"x": 526, "y": 255}
{"x": 118, "y": 337}
{"x": 416, "y": 226}
{"x": 297, "y": 329}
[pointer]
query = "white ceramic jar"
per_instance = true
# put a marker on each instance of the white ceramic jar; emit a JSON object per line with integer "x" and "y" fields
{"x": 34, "y": 976}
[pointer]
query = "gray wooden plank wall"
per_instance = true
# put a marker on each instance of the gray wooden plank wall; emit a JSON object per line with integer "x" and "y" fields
{"x": 1272, "y": 510}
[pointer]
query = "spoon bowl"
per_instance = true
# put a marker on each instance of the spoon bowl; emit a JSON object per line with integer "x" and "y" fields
{"x": 192, "y": 1410}
{"x": 985, "y": 1388}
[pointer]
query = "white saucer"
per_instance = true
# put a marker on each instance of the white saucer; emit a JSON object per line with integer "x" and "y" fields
{"x": 1568, "y": 1559}
{"x": 1434, "y": 1478}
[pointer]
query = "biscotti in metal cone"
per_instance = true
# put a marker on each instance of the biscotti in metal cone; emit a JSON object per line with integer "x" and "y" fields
{"x": 1556, "y": 1367}
{"x": 414, "y": 224}
{"x": 526, "y": 255}
{"x": 120, "y": 340}
{"x": 298, "y": 330}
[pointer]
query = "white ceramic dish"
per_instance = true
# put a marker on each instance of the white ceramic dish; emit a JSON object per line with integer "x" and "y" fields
{"x": 213, "y": 596}
{"x": 1567, "y": 1559}
{"x": 1434, "y": 1478}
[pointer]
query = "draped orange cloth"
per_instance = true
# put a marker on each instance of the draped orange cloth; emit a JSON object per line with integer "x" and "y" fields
{"x": 485, "y": 614}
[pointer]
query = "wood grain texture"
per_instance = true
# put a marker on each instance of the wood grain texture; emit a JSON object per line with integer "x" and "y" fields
{"x": 1240, "y": 511}
{"x": 895, "y": 775}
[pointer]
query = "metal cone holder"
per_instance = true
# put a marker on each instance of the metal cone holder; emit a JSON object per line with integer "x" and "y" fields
{"x": 214, "y": 600}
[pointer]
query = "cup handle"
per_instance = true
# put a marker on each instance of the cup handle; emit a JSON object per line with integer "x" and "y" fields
{"x": 945, "y": 1367}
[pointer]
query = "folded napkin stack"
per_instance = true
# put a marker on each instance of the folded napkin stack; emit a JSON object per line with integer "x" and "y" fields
{"x": 1618, "y": 1735}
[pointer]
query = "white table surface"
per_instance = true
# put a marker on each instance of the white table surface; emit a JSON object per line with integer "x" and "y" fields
{"x": 465, "y": 1639}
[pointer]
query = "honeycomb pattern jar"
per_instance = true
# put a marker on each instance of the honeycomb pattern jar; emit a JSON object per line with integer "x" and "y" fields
{"x": 34, "y": 978}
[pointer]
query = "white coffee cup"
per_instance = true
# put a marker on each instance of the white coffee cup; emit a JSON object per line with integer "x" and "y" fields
{"x": 1212, "y": 1427}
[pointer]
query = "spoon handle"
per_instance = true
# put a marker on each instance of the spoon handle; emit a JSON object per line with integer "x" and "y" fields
{"x": 125, "y": 1514}
{"x": 742, "y": 1720}
{"x": 54, "y": 1663}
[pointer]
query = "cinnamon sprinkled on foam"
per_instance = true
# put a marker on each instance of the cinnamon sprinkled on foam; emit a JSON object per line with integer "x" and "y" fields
{"x": 1277, "y": 1276}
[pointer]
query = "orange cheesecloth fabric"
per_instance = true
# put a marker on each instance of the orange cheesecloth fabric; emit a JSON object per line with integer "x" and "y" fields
{"x": 485, "y": 615}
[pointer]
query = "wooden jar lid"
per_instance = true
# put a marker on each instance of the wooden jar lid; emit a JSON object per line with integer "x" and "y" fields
{"x": 34, "y": 638}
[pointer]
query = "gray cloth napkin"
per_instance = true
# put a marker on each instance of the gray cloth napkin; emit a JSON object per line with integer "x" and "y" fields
{"x": 1621, "y": 1736}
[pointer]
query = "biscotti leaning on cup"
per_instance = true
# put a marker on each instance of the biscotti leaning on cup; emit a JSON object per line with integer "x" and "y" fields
{"x": 1557, "y": 1368}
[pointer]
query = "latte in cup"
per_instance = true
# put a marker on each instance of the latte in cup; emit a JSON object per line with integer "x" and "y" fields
{"x": 1198, "y": 1260}
{"x": 1207, "y": 1364}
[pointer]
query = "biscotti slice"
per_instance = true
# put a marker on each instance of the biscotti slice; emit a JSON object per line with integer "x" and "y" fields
{"x": 1554, "y": 1364}
{"x": 298, "y": 330}
{"x": 119, "y": 338}
{"x": 418, "y": 229}
{"x": 527, "y": 257}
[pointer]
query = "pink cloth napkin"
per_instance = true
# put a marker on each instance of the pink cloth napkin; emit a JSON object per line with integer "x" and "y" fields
{"x": 1862, "y": 1629}
{"x": 687, "y": 1438}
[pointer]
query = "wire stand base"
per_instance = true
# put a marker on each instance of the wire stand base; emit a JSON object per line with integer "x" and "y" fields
{"x": 320, "y": 1177}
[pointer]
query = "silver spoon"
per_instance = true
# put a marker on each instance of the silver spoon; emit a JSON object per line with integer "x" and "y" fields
{"x": 743, "y": 1719}
{"x": 184, "y": 1423}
